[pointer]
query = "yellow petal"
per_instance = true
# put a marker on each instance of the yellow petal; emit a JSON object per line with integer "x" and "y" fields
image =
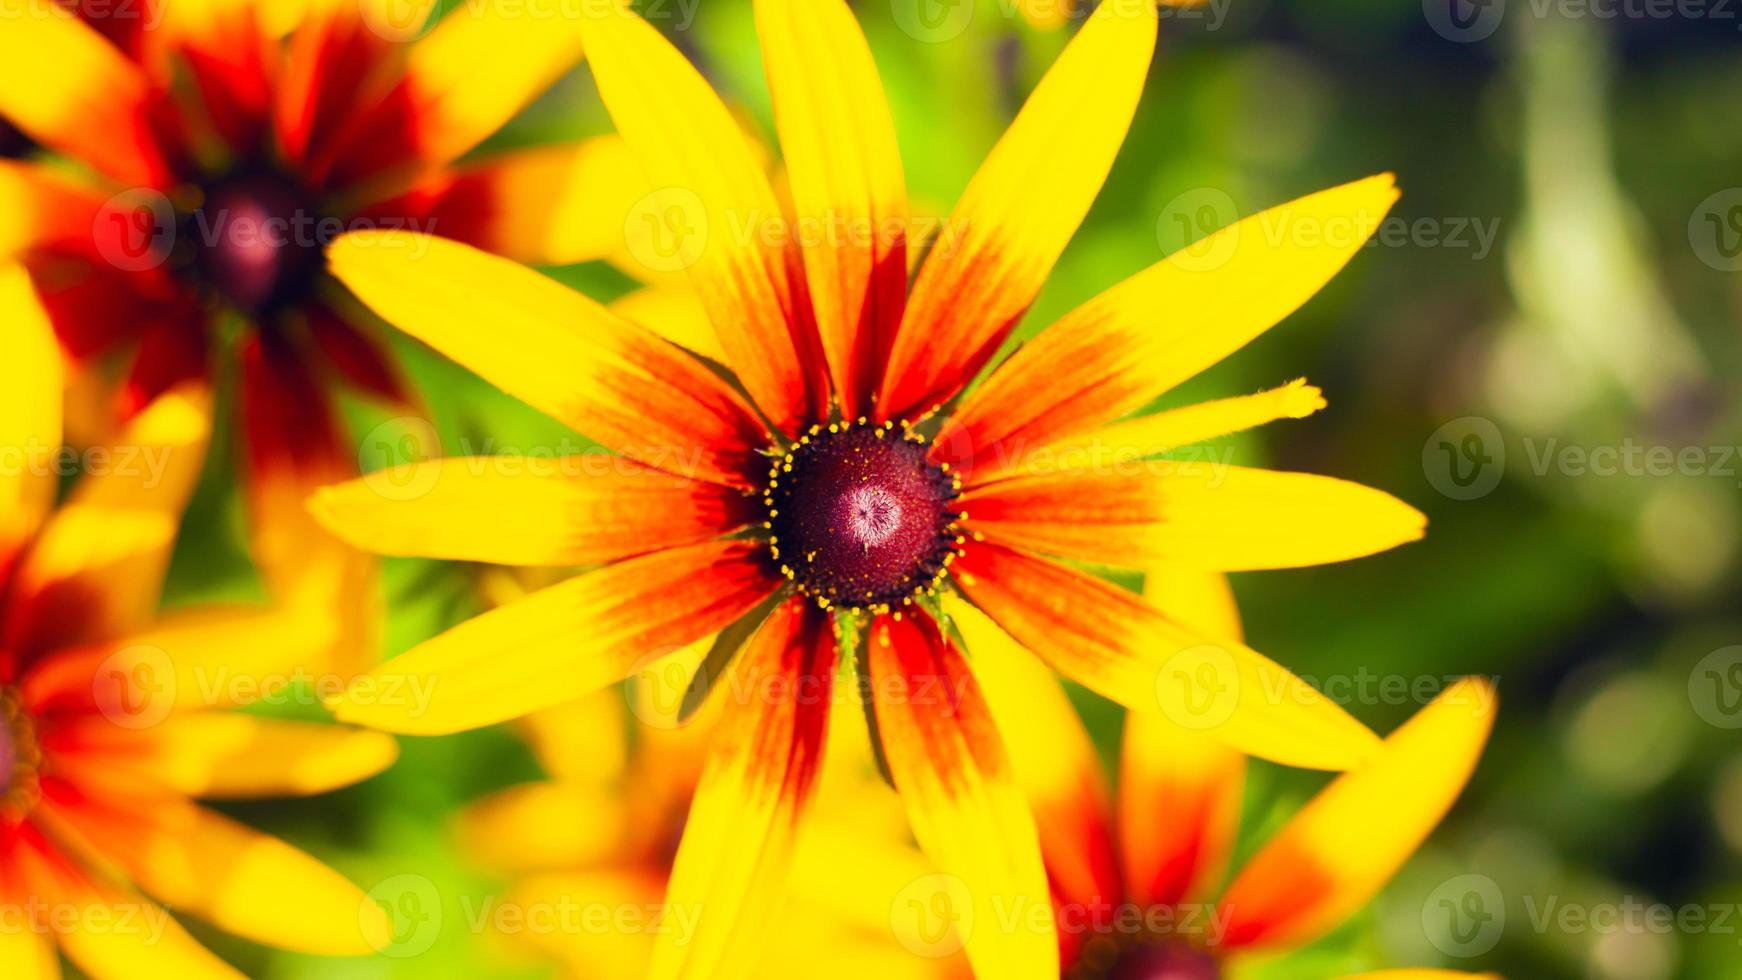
{"x": 97, "y": 569}
{"x": 738, "y": 841}
{"x": 1050, "y": 752}
{"x": 39, "y": 206}
{"x": 1179, "y": 809}
{"x": 556, "y": 350}
{"x": 228, "y": 755}
{"x": 584, "y": 742}
{"x": 561, "y": 643}
{"x": 1345, "y": 844}
{"x": 1021, "y": 209}
{"x": 1198, "y": 600}
{"x": 545, "y": 826}
{"x": 573, "y": 510}
{"x": 1120, "y": 646}
{"x": 600, "y": 895}
{"x": 30, "y": 413}
{"x": 240, "y": 880}
{"x": 848, "y": 191}
{"x": 27, "y": 955}
{"x": 965, "y": 805}
{"x": 673, "y": 311}
{"x": 481, "y": 65}
{"x": 714, "y": 207}
{"x": 1200, "y": 513}
{"x": 1122, "y": 349}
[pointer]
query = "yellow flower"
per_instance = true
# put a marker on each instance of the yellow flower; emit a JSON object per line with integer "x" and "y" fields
{"x": 1133, "y": 877}
{"x": 112, "y": 720}
{"x": 856, "y": 481}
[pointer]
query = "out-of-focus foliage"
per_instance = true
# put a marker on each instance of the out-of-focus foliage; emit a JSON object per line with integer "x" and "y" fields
{"x": 1551, "y": 312}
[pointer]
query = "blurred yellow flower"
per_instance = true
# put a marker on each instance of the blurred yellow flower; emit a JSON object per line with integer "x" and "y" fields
{"x": 112, "y": 719}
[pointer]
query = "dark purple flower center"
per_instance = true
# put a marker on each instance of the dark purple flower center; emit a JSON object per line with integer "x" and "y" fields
{"x": 1165, "y": 961}
{"x": 257, "y": 241}
{"x": 860, "y": 517}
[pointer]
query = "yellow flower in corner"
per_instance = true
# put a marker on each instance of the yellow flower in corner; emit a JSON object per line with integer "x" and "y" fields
{"x": 843, "y": 481}
{"x": 1134, "y": 876}
{"x": 111, "y": 720}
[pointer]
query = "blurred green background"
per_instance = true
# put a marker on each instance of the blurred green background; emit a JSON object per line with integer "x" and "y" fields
{"x": 1559, "y": 280}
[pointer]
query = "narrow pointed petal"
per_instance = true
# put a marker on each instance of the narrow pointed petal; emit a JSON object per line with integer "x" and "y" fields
{"x": 68, "y": 88}
{"x": 1001, "y": 241}
{"x": 718, "y": 210}
{"x": 556, "y": 350}
{"x": 575, "y": 510}
{"x": 561, "y": 643}
{"x": 1200, "y": 513}
{"x": 1345, "y": 844}
{"x": 97, "y": 569}
{"x": 761, "y": 776}
{"x": 1179, "y": 809}
{"x": 1118, "y": 645}
{"x": 962, "y": 797}
{"x": 238, "y": 879}
{"x": 1053, "y": 758}
{"x": 845, "y": 174}
{"x": 227, "y": 755}
{"x": 30, "y": 414}
{"x": 1137, "y": 340}
{"x": 41, "y": 208}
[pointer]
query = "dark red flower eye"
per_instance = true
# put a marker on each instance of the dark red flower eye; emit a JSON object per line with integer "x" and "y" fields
{"x": 257, "y": 241}
{"x": 860, "y": 516}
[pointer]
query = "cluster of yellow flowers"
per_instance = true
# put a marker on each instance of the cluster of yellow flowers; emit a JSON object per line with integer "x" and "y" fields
{"x": 821, "y": 486}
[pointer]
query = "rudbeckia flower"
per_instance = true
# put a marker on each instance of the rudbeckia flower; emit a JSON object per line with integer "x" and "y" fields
{"x": 205, "y": 160}
{"x": 829, "y": 478}
{"x": 599, "y": 836}
{"x": 1133, "y": 878}
{"x": 112, "y": 719}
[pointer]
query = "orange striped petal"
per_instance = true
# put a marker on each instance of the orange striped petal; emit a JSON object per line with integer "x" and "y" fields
{"x": 558, "y": 351}
{"x": 97, "y": 568}
{"x": 1209, "y": 515}
{"x": 963, "y": 801}
{"x": 561, "y": 643}
{"x": 1135, "y": 341}
{"x": 846, "y": 182}
{"x": 731, "y": 868}
{"x": 68, "y": 88}
{"x": 238, "y": 879}
{"x": 714, "y": 206}
{"x": 108, "y": 934}
{"x": 1345, "y": 844}
{"x": 41, "y": 208}
{"x": 1118, "y": 645}
{"x": 1021, "y": 209}
{"x": 1179, "y": 809}
{"x": 1054, "y": 760}
{"x": 30, "y": 414}
{"x": 574, "y": 510}
{"x": 226, "y": 755}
